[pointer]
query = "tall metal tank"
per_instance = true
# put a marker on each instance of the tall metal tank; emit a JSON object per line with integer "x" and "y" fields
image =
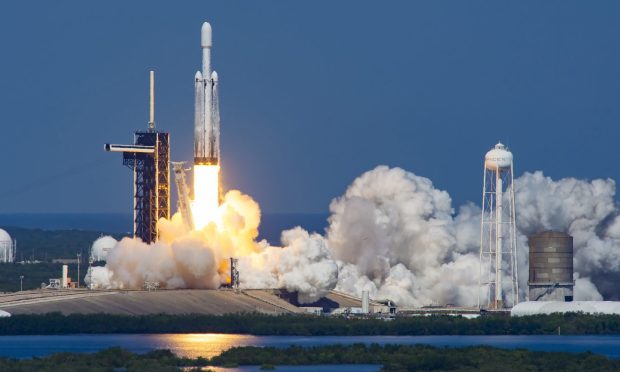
{"x": 551, "y": 267}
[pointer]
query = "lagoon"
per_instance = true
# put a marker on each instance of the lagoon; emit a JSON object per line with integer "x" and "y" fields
{"x": 210, "y": 344}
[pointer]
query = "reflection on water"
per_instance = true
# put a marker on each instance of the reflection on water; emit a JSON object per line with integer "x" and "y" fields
{"x": 206, "y": 345}
{"x": 211, "y": 344}
{"x": 313, "y": 368}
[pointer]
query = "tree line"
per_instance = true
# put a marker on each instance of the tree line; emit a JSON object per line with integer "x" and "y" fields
{"x": 390, "y": 357}
{"x": 302, "y": 325}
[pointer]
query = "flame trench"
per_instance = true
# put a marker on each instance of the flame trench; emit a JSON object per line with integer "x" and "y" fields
{"x": 206, "y": 195}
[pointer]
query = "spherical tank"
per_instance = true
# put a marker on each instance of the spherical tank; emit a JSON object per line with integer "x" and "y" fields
{"x": 498, "y": 158}
{"x": 5, "y": 238}
{"x": 6, "y": 247}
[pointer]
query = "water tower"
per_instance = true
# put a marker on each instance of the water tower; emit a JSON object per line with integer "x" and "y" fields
{"x": 498, "y": 242}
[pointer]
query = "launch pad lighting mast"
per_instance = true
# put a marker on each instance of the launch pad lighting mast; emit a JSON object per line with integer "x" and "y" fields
{"x": 498, "y": 242}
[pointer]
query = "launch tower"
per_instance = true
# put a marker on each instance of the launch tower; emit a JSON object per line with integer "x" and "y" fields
{"x": 497, "y": 229}
{"x": 149, "y": 159}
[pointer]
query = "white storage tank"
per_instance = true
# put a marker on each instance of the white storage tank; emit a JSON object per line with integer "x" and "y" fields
{"x": 7, "y": 247}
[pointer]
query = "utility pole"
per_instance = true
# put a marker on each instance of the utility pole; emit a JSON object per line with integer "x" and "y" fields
{"x": 90, "y": 272}
{"x": 78, "y": 278}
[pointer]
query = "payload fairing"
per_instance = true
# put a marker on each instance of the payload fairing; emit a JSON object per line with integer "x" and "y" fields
{"x": 207, "y": 117}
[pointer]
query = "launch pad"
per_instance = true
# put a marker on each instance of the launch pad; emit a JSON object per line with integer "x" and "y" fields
{"x": 177, "y": 301}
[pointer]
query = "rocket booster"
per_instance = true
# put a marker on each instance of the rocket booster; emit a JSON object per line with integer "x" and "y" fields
{"x": 207, "y": 115}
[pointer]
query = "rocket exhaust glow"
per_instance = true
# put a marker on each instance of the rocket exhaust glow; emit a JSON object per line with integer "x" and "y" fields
{"x": 206, "y": 195}
{"x": 206, "y": 138}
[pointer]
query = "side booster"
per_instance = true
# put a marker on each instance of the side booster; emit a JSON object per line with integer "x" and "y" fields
{"x": 207, "y": 113}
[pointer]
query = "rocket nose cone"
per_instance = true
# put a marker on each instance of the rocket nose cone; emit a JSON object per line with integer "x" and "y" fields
{"x": 205, "y": 39}
{"x": 214, "y": 76}
{"x": 198, "y": 75}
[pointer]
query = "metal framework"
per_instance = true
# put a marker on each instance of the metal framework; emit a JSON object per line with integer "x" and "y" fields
{"x": 151, "y": 182}
{"x": 497, "y": 236}
{"x": 183, "y": 193}
{"x": 149, "y": 159}
{"x": 234, "y": 273}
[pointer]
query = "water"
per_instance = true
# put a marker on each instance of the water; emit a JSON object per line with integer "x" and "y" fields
{"x": 312, "y": 368}
{"x": 210, "y": 344}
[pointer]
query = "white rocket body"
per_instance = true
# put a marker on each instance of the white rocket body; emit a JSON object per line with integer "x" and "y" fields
{"x": 207, "y": 117}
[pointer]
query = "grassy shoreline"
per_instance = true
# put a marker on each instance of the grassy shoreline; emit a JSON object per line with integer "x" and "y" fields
{"x": 296, "y": 325}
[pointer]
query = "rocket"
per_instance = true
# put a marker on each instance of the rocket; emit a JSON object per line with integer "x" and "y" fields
{"x": 207, "y": 115}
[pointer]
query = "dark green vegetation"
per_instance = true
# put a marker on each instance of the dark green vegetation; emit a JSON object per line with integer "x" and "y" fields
{"x": 391, "y": 357}
{"x": 112, "y": 359}
{"x": 260, "y": 324}
{"x": 44, "y": 245}
{"x": 420, "y": 358}
{"x": 34, "y": 274}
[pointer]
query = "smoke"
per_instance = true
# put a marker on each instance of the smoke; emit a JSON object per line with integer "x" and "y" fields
{"x": 587, "y": 211}
{"x": 397, "y": 236}
{"x": 302, "y": 265}
{"x": 392, "y": 233}
{"x": 101, "y": 247}
{"x": 199, "y": 259}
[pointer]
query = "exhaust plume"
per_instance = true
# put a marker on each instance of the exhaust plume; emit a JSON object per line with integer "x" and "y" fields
{"x": 392, "y": 233}
{"x": 199, "y": 258}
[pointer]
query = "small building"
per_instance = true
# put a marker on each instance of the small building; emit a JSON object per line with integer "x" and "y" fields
{"x": 65, "y": 261}
{"x": 62, "y": 282}
{"x": 314, "y": 310}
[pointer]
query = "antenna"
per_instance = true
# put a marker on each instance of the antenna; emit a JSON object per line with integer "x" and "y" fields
{"x": 152, "y": 101}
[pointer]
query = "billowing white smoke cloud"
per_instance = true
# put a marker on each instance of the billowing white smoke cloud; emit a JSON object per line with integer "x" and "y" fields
{"x": 396, "y": 236}
{"x": 391, "y": 233}
{"x": 199, "y": 259}
{"x": 303, "y": 265}
{"x": 101, "y": 247}
{"x": 585, "y": 210}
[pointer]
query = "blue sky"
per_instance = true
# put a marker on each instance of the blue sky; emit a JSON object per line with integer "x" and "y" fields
{"x": 312, "y": 93}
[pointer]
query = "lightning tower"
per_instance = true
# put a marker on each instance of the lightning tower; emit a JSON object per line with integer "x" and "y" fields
{"x": 498, "y": 231}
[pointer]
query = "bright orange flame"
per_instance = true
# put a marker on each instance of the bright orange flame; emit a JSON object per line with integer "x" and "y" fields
{"x": 206, "y": 195}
